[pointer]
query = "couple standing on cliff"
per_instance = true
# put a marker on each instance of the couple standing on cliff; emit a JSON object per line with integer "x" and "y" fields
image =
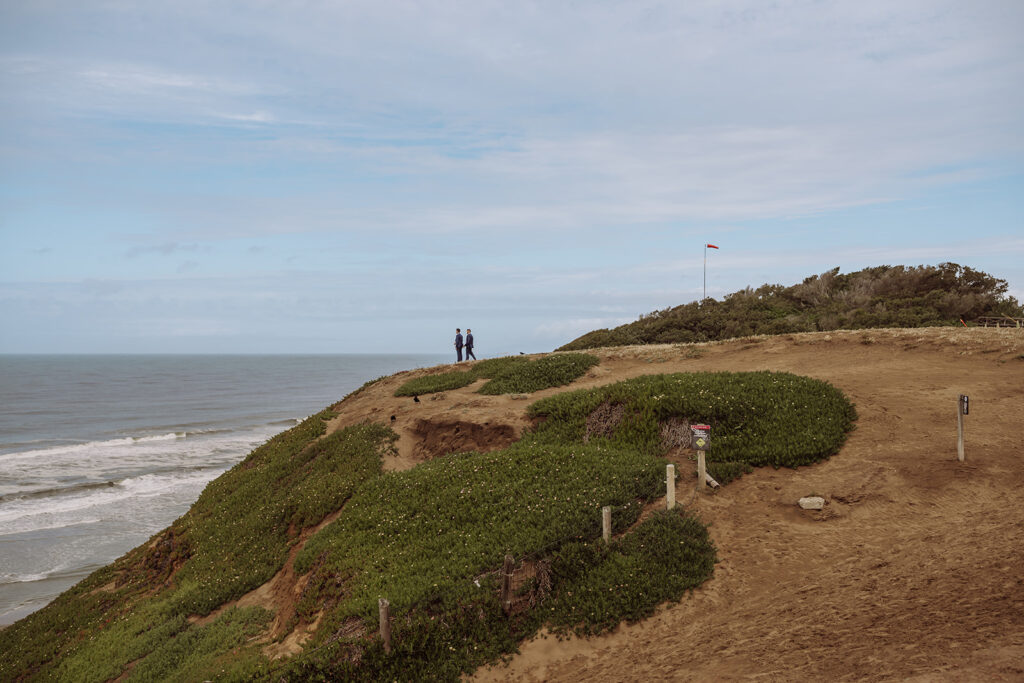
{"x": 459, "y": 344}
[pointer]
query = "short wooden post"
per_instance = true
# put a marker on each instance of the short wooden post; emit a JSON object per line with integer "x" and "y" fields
{"x": 606, "y": 523}
{"x": 959, "y": 429}
{"x": 385, "y": 623}
{"x": 507, "y": 570}
{"x": 670, "y": 486}
{"x": 702, "y": 471}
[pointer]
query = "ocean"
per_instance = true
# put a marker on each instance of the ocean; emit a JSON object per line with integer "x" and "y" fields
{"x": 98, "y": 453}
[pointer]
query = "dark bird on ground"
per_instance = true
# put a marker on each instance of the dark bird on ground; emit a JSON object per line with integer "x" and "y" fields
{"x": 415, "y": 399}
{"x": 392, "y": 418}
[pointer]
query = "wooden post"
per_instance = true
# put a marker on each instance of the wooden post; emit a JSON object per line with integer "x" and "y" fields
{"x": 702, "y": 471}
{"x": 506, "y": 583}
{"x": 670, "y": 486}
{"x": 385, "y": 623}
{"x": 606, "y": 523}
{"x": 959, "y": 430}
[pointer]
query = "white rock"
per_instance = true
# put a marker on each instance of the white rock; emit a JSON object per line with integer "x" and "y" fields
{"x": 811, "y": 503}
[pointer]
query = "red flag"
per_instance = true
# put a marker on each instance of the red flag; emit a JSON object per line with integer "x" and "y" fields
{"x": 710, "y": 246}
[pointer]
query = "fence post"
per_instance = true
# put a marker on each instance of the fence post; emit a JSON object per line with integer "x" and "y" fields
{"x": 385, "y": 623}
{"x": 702, "y": 471}
{"x": 506, "y": 583}
{"x": 606, "y": 523}
{"x": 960, "y": 428}
{"x": 670, "y": 486}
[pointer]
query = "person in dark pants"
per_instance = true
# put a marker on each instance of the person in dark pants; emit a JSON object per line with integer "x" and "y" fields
{"x": 458, "y": 344}
{"x": 469, "y": 344}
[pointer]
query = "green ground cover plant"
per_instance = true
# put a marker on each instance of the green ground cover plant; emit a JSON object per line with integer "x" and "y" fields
{"x": 507, "y": 375}
{"x": 239, "y": 531}
{"x": 429, "y": 532}
{"x": 432, "y": 384}
{"x": 602, "y": 585}
{"x": 757, "y": 418}
{"x": 206, "y": 652}
{"x": 543, "y": 373}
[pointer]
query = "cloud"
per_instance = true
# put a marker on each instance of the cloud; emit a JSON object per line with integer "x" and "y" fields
{"x": 564, "y": 151}
{"x": 93, "y": 287}
{"x": 165, "y": 249}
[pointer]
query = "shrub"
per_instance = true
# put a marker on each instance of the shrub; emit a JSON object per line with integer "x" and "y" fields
{"x": 430, "y": 384}
{"x": 885, "y": 296}
{"x": 546, "y": 372}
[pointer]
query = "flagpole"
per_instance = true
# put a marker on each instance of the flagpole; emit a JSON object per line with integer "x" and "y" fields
{"x": 705, "y": 271}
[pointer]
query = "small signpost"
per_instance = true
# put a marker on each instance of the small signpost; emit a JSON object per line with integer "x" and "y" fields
{"x": 962, "y": 408}
{"x": 670, "y": 486}
{"x": 701, "y": 440}
{"x": 384, "y": 608}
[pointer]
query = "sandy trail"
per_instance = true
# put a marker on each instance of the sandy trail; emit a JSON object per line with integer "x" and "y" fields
{"x": 915, "y": 569}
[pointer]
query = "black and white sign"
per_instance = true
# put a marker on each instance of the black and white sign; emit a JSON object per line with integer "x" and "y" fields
{"x": 701, "y": 437}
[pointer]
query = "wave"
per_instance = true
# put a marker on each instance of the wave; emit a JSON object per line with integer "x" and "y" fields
{"x": 64, "y": 572}
{"x": 88, "y": 446}
{"x": 78, "y": 487}
{"x": 38, "y": 513}
{"x": 57, "y": 491}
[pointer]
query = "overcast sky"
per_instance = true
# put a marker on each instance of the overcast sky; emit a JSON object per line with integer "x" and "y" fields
{"x": 307, "y": 177}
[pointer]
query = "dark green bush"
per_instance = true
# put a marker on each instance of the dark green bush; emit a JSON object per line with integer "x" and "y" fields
{"x": 885, "y": 296}
{"x": 508, "y": 375}
{"x": 431, "y": 384}
{"x": 543, "y": 373}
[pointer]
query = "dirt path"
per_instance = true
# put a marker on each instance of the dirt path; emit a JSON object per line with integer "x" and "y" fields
{"x": 915, "y": 569}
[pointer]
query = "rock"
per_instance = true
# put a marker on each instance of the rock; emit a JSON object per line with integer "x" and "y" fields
{"x": 811, "y": 503}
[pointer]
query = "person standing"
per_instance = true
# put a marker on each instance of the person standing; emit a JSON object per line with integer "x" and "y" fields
{"x": 458, "y": 345}
{"x": 469, "y": 344}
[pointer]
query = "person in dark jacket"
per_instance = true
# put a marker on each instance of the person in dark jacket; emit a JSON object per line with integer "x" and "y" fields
{"x": 469, "y": 344}
{"x": 458, "y": 344}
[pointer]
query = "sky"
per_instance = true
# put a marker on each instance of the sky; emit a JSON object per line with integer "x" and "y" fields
{"x": 366, "y": 176}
